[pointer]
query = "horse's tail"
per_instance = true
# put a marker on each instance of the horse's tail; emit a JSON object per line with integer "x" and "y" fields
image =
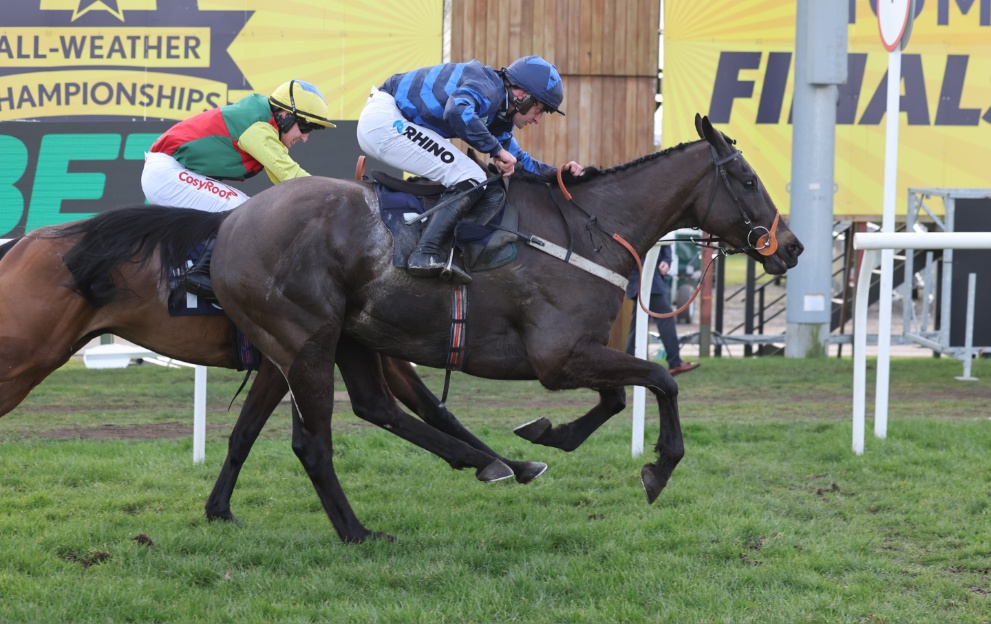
{"x": 131, "y": 235}
{"x": 8, "y": 246}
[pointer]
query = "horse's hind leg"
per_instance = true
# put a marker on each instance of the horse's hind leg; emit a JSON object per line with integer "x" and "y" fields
{"x": 267, "y": 390}
{"x": 570, "y": 436}
{"x": 372, "y": 401}
{"x": 311, "y": 383}
{"x": 407, "y": 386}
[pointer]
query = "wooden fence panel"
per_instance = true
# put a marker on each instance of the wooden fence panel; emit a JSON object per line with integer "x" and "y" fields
{"x": 606, "y": 52}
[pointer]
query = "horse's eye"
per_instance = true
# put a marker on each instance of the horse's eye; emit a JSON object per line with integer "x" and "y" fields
{"x": 750, "y": 184}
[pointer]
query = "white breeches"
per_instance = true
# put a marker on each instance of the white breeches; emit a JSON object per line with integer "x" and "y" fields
{"x": 384, "y": 134}
{"x": 165, "y": 182}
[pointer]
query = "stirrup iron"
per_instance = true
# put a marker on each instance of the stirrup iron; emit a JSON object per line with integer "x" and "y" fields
{"x": 451, "y": 273}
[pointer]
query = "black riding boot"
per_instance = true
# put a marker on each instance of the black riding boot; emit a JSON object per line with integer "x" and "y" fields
{"x": 197, "y": 278}
{"x": 431, "y": 253}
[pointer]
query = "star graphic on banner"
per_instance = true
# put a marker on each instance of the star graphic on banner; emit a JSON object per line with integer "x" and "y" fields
{"x": 110, "y": 6}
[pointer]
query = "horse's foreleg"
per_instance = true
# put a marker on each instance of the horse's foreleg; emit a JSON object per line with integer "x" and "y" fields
{"x": 14, "y": 391}
{"x": 670, "y": 444}
{"x": 610, "y": 371}
{"x": 34, "y": 340}
{"x": 268, "y": 388}
{"x": 25, "y": 363}
{"x": 311, "y": 383}
{"x": 372, "y": 401}
{"x": 407, "y": 386}
{"x": 570, "y": 436}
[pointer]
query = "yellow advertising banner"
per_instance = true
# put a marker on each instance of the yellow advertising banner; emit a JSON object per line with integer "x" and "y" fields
{"x": 734, "y": 61}
{"x": 170, "y": 59}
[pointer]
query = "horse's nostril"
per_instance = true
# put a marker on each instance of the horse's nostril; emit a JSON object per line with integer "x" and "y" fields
{"x": 796, "y": 248}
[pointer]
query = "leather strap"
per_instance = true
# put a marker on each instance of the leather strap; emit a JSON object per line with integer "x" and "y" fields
{"x": 459, "y": 336}
{"x": 405, "y": 186}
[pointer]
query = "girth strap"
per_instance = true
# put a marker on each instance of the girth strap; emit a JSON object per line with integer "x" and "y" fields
{"x": 459, "y": 335}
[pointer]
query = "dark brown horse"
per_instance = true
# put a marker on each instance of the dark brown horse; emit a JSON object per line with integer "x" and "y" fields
{"x": 64, "y": 285}
{"x": 304, "y": 265}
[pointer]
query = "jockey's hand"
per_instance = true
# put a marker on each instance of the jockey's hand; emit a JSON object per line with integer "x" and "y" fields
{"x": 505, "y": 163}
{"x": 573, "y": 168}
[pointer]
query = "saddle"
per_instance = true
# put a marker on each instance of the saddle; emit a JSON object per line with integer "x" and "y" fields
{"x": 482, "y": 246}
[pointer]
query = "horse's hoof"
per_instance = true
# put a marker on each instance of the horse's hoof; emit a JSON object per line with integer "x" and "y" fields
{"x": 368, "y": 535}
{"x": 530, "y": 471}
{"x": 652, "y": 486}
{"x": 533, "y": 430}
{"x": 496, "y": 471}
{"x": 224, "y": 516}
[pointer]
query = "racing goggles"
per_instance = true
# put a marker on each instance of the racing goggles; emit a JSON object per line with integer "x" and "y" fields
{"x": 307, "y": 127}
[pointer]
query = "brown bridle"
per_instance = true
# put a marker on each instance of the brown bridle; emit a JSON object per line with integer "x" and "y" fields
{"x": 767, "y": 243}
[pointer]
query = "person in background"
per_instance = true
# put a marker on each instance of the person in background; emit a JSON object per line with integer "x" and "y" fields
{"x": 408, "y": 121}
{"x": 660, "y": 302}
{"x": 185, "y": 166}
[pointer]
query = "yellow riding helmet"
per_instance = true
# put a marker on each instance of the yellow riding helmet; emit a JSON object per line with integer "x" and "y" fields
{"x": 304, "y": 101}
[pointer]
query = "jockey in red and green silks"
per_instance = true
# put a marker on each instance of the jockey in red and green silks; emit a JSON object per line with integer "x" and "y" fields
{"x": 185, "y": 166}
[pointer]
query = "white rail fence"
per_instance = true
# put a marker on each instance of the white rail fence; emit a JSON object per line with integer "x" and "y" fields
{"x": 120, "y": 355}
{"x": 873, "y": 244}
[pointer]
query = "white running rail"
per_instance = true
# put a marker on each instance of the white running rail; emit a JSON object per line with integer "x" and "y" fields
{"x": 873, "y": 243}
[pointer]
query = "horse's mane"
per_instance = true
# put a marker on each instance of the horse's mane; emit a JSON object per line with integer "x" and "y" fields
{"x": 131, "y": 235}
{"x": 592, "y": 172}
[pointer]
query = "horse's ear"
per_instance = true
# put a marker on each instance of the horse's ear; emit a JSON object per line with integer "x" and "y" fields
{"x": 698, "y": 125}
{"x": 709, "y": 133}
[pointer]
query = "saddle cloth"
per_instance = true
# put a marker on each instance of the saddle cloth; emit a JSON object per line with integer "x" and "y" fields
{"x": 182, "y": 303}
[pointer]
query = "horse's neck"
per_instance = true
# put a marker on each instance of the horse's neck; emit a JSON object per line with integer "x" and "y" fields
{"x": 650, "y": 199}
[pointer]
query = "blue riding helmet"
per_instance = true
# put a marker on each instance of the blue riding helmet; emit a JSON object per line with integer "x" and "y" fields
{"x": 538, "y": 78}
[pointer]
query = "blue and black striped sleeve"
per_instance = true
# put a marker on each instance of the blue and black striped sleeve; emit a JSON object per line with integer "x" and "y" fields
{"x": 462, "y": 115}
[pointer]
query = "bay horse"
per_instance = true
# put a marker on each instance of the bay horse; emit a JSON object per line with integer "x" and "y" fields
{"x": 64, "y": 285}
{"x": 306, "y": 264}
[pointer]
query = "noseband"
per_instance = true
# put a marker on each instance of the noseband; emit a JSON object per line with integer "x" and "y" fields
{"x": 766, "y": 239}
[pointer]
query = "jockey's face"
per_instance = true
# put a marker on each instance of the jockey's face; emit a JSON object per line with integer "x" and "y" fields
{"x": 293, "y": 136}
{"x": 532, "y": 116}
